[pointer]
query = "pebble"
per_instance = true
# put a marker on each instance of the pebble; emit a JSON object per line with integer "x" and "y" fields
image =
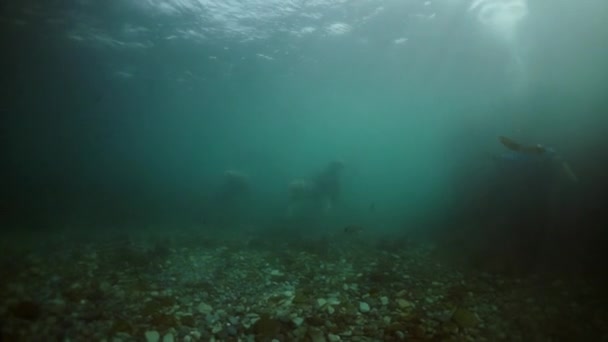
{"x": 321, "y": 302}
{"x": 216, "y": 328}
{"x": 168, "y": 338}
{"x": 316, "y": 335}
{"x": 231, "y": 330}
{"x": 465, "y": 318}
{"x": 152, "y": 336}
{"x": 333, "y": 338}
{"x": 333, "y": 301}
{"x": 205, "y": 308}
{"x": 298, "y": 321}
{"x": 404, "y": 303}
{"x": 384, "y": 300}
{"x": 364, "y": 307}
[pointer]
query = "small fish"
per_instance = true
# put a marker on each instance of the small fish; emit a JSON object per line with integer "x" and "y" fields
{"x": 353, "y": 229}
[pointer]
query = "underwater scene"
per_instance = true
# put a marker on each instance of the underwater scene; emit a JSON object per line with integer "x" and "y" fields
{"x": 304, "y": 170}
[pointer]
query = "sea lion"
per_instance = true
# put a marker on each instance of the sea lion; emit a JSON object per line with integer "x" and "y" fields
{"x": 515, "y": 146}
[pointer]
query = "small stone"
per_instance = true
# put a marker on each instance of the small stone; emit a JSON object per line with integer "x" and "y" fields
{"x": 330, "y": 309}
{"x": 384, "y": 300}
{"x": 364, "y": 307}
{"x": 300, "y": 333}
{"x": 122, "y": 337}
{"x": 333, "y": 301}
{"x": 205, "y": 308}
{"x": 298, "y": 321}
{"x": 168, "y": 337}
{"x": 333, "y": 338}
{"x": 105, "y": 287}
{"x": 216, "y": 328}
{"x": 465, "y": 318}
{"x": 231, "y": 330}
{"x": 276, "y": 273}
{"x": 402, "y": 303}
{"x": 152, "y": 336}
{"x": 321, "y": 302}
{"x": 316, "y": 335}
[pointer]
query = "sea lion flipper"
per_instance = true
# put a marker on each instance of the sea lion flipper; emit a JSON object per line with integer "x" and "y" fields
{"x": 509, "y": 143}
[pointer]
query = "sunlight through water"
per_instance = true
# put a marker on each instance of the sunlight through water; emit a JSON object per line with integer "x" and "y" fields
{"x": 503, "y": 18}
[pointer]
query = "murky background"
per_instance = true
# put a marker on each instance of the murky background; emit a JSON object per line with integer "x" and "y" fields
{"x": 303, "y": 170}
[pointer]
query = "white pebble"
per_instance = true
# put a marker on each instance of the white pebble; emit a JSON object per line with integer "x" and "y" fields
{"x": 364, "y": 307}
{"x": 168, "y": 338}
